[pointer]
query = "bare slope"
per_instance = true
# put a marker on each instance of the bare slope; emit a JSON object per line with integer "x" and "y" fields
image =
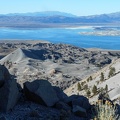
{"x": 112, "y": 81}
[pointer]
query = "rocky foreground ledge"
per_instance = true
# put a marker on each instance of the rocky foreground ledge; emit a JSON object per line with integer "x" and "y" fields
{"x": 38, "y": 100}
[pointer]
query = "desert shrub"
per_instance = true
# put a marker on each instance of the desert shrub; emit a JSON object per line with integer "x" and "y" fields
{"x": 94, "y": 89}
{"x": 104, "y": 111}
{"x": 85, "y": 87}
{"x": 82, "y": 83}
{"x": 79, "y": 88}
{"x": 90, "y": 78}
{"x": 102, "y": 77}
{"x": 88, "y": 93}
{"x": 101, "y": 90}
{"x": 106, "y": 88}
{"x": 111, "y": 72}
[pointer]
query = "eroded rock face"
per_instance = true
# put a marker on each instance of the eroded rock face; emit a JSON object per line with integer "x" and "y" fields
{"x": 40, "y": 91}
{"x": 8, "y": 91}
{"x": 100, "y": 60}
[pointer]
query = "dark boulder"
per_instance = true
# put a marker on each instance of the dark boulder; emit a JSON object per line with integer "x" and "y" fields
{"x": 62, "y": 106}
{"x": 3, "y": 118}
{"x": 4, "y": 75}
{"x": 79, "y": 111}
{"x": 77, "y": 100}
{"x": 9, "y": 93}
{"x": 40, "y": 91}
{"x": 60, "y": 94}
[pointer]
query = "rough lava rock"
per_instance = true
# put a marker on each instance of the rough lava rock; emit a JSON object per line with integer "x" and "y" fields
{"x": 9, "y": 92}
{"x": 40, "y": 91}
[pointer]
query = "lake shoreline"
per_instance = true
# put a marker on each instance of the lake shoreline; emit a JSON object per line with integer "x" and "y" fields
{"x": 67, "y": 35}
{"x": 56, "y": 25}
{"x": 44, "y": 41}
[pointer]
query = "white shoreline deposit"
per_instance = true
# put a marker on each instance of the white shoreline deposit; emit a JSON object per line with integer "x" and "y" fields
{"x": 102, "y": 33}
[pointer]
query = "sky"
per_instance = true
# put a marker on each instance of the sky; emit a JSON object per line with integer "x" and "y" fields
{"x": 76, "y": 7}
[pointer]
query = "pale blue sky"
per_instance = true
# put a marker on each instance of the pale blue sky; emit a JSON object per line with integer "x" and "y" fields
{"x": 77, "y": 7}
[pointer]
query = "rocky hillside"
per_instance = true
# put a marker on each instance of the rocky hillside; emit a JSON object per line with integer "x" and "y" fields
{"x": 106, "y": 81}
{"x": 39, "y": 100}
{"x": 62, "y": 65}
{"x": 38, "y": 71}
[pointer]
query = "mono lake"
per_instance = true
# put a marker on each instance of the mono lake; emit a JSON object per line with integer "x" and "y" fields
{"x": 63, "y": 35}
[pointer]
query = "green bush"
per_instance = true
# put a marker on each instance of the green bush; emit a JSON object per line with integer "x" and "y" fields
{"x": 82, "y": 83}
{"x": 88, "y": 93}
{"x": 79, "y": 87}
{"x": 90, "y": 78}
{"x": 106, "y": 88}
{"x": 85, "y": 87}
{"x": 94, "y": 90}
{"x": 102, "y": 77}
{"x": 111, "y": 72}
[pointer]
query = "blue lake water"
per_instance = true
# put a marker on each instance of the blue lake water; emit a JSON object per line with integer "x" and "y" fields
{"x": 61, "y": 35}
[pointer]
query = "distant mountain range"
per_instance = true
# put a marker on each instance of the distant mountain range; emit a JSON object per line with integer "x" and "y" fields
{"x": 40, "y": 19}
{"x": 41, "y": 14}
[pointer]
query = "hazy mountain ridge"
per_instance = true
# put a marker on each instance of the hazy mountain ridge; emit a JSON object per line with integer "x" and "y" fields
{"x": 42, "y": 14}
{"x": 55, "y": 17}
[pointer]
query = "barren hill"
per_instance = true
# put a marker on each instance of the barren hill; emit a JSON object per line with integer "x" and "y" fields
{"x": 62, "y": 65}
